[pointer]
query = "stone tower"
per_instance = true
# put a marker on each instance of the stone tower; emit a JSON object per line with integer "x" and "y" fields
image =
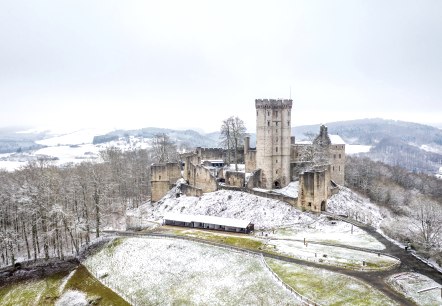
{"x": 273, "y": 136}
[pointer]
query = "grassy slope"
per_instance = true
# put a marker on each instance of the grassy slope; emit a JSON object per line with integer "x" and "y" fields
{"x": 327, "y": 287}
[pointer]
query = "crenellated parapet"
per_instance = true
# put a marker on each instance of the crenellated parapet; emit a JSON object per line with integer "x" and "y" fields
{"x": 273, "y": 103}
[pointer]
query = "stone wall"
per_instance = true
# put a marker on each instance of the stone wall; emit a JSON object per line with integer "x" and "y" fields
{"x": 250, "y": 161}
{"x": 337, "y": 163}
{"x": 234, "y": 178}
{"x": 190, "y": 191}
{"x": 254, "y": 180}
{"x": 210, "y": 153}
{"x": 163, "y": 177}
{"x": 314, "y": 190}
{"x": 200, "y": 177}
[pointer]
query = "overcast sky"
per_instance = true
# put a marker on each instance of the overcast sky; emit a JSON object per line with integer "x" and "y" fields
{"x": 191, "y": 64}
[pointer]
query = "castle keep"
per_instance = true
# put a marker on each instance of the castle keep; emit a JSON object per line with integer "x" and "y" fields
{"x": 276, "y": 161}
{"x": 273, "y": 131}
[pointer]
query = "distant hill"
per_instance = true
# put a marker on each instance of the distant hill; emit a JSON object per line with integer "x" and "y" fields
{"x": 184, "y": 138}
{"x": 416, "y": 147}
{"x": 14, "y": 140}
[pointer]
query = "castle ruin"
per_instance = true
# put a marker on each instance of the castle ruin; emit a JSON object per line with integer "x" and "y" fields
{"x": 276, "y": 161}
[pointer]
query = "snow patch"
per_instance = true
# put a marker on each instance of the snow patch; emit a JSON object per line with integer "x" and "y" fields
{"x": 291, "y": 190}
{"x": 355, "y": 149}
{"x": 72, "y": 298}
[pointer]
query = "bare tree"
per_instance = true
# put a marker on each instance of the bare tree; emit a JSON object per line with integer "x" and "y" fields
{"x": 164, "y": 149}
{"x": 427, "y": 222}
{"x": 233, "y": 132}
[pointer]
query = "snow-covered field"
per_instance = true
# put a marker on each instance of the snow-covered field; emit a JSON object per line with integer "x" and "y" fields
{"x": 82, "y": 136}
{"x": 71, "y": 154}
{"x": 324, "y": 230}
{"x": 74, "y": 147}
{"x": 332, "y": 255}
{"x": 172, "y": 272}
{"x": 414, "y": 285}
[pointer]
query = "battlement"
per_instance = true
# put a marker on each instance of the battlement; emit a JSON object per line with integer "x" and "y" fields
{"x": 273, "y": 103}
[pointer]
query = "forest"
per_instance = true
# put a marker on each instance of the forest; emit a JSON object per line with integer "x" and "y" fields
{"x": 411, "y": 201}
{"x": 48, "y": 211}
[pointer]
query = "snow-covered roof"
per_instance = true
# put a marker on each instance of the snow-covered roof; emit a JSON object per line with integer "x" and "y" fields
{"x": 336, "y": 139}
{"x": 217, "y": 161}
{"x": 207, "y": 219}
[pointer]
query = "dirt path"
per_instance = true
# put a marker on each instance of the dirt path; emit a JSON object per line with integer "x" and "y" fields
{"x": 409, "y": 263}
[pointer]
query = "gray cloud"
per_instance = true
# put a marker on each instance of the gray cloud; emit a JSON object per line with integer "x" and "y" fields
{"x": 149, "y": 63}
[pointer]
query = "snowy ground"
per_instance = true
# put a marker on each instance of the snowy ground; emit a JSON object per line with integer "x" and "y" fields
{"x": 332, "y": 255}
{"x": 290, "y": 190}
{"x": 82, "y": 136}
{"x": 69, "y": 148}
{"x": 348, "y": 203}
{"x": 167, "y": 272}
{"x": 410, "y": 284}
{"x": 263, "y": 212}
{"x": 329, "y": 231}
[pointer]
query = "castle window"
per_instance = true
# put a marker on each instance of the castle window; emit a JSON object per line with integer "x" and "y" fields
{"x": 256, "y": 113}
{"x": 276, "y": 161}
{"x": 159, "y": 177}
{"x": 276, "y": 171}
{"x": 339, "y": 168}
{"x": 276, "y": 123}
{"x": 333, "y": 168}
{"x": 268, "y": 113}
{"x": 268, "y": 123}
{"x": 334, "y": 156}
{"x": 288, "y": 122}
{"x": 339, "y": 155}
{"x": 276, "y": 147}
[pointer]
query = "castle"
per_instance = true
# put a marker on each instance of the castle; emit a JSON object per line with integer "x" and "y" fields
{"x": 276, "y": 161}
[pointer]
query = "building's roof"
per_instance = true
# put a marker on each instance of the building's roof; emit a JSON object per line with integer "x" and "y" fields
{"x": 336, "y": 139}
{"x": 214, "y": 161}
{"x": 207, "y": 219}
